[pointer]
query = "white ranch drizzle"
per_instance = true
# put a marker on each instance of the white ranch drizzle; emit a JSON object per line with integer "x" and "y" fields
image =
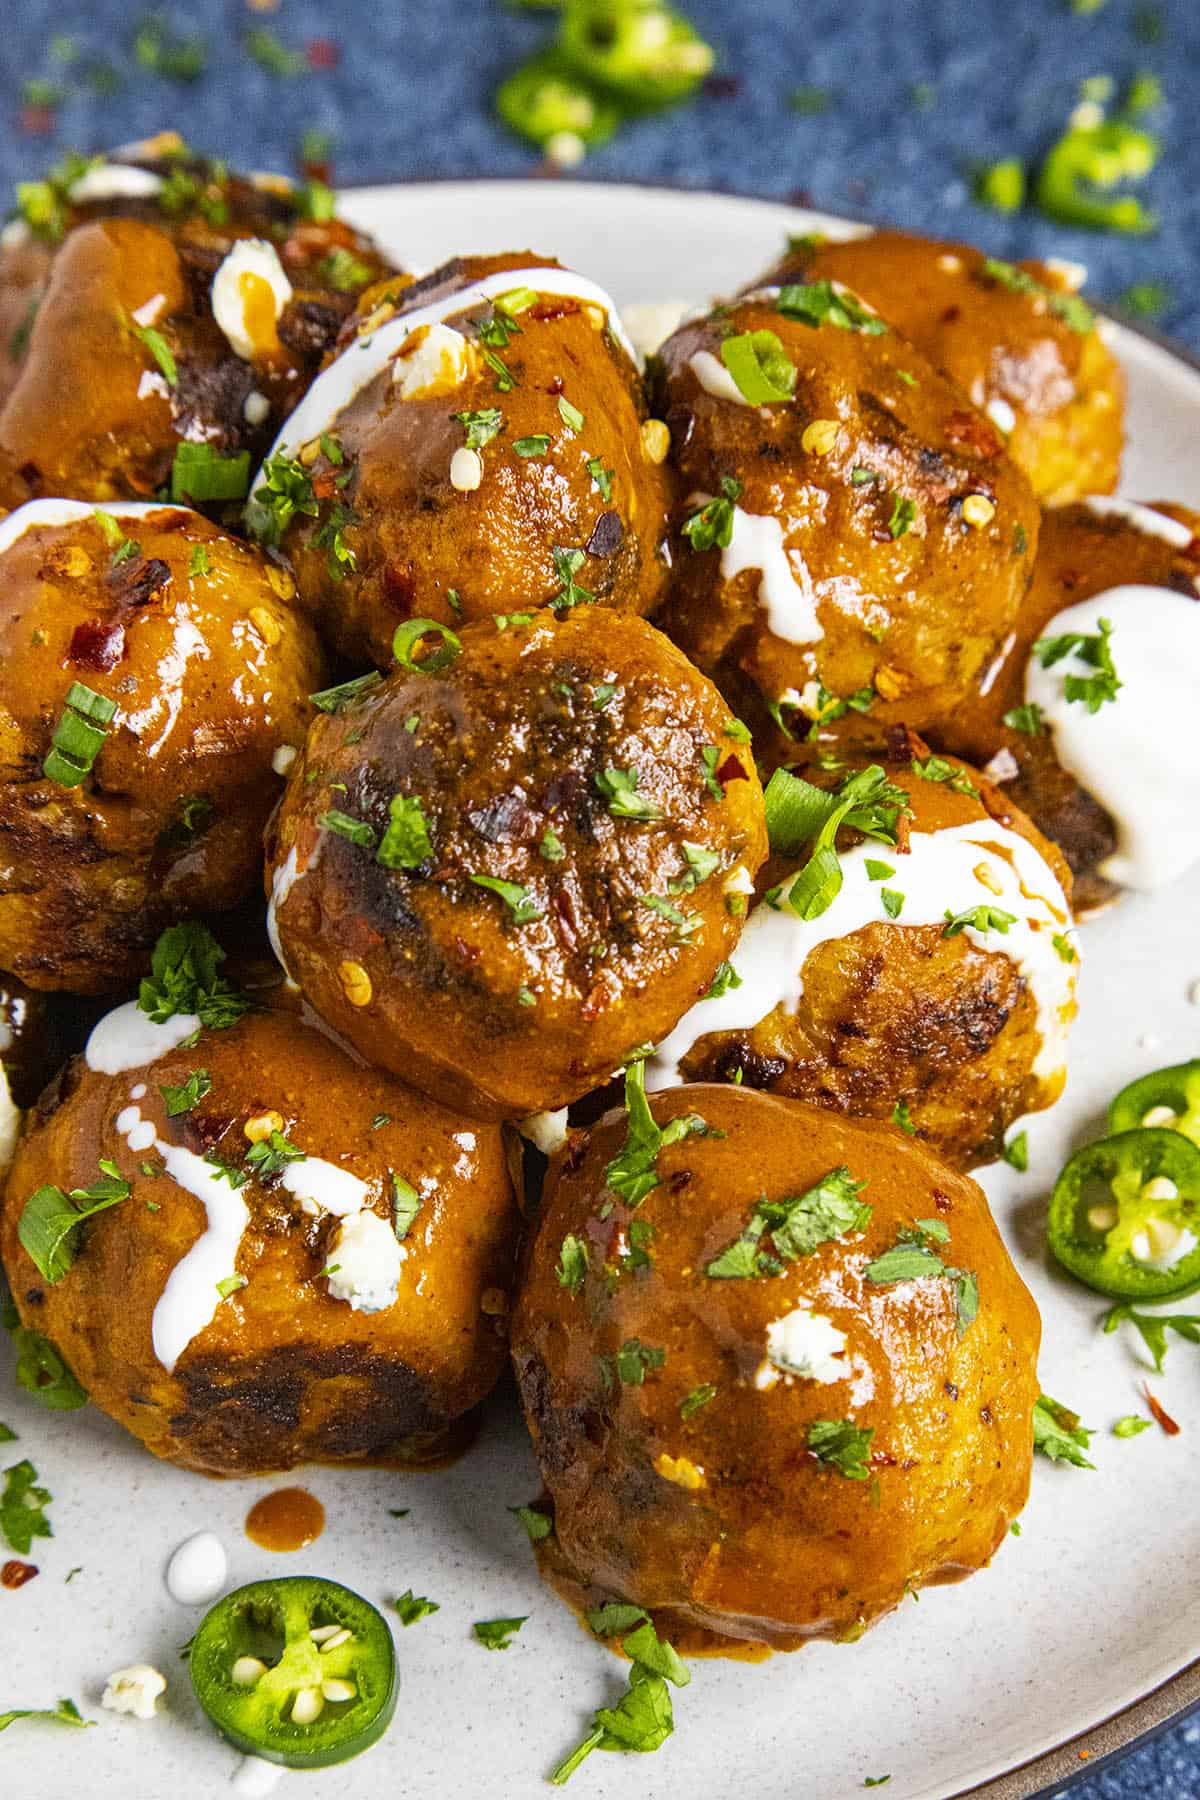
{"x": 1144, "y": 518}
{"x": 715, "y": 378}
{"x": 115, "y": 181}
{"x": 937, "y": 874}
{"x": 1135, "y": 754}
{"x": 756, "y": 542}
{"x": 282, "y": 882}
{"x": 127, "y": 1039}
{"x": 329, "y": 1188}
{"x": 190, "y": 1298}
{"x": 358, "y": 365}
{"x": 70, "y": 512}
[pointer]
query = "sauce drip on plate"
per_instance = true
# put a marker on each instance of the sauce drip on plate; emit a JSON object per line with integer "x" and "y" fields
{"x": 288, "y": 1519}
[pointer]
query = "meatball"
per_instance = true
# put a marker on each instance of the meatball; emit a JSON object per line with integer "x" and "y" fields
{"x": 499, "y": 870}
{"x": 311, "y": 1262}
{"x": 788, "y": 1386}
{"x": 479, "y": 451}
{"x": 185, "y": 307}
{"x": 153, "y": 674}
{"x": 1086, "y": 760}
{"x": 932, "y": 986}
{"x": 1015, "y": 337}
{"x": 855, "y": 537}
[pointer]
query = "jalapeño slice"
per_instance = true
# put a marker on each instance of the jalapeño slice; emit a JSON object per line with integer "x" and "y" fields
{"x": 1167, "y": 1100}
{"x": 1125, "y": 1215}
{"x": 300, "y": 1670}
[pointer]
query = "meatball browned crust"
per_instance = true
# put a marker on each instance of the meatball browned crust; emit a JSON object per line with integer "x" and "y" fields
{"x": 119, "y": 354}
{"x": 175, "y": 656}
{"x": 1083, "y": 552}
{"x": 476, "y": 449}
{"x": 499, "y": 878}
{"x": 291, "y": 1364}
{"x": 1016, "y": 338}
{"x": 886, "y": 1005}
{"x": 861, "y": 539}
{"x": 747, "y": 1422}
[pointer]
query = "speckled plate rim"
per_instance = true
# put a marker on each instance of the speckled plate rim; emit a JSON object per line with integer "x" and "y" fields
{"x": 1112, "y": 1738}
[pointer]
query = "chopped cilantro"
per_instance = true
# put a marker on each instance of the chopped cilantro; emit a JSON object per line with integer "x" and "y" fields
{"x": 412, "y": 1607}
{"x": 619, "y": 788}
{"x": 824, "y": 303}
{"x": 497, "y": 1634}
{"x": 712, "y": 523}
{"x": 23, "y": 1508}
{"x": 633, "y": 1172}
{"x": 182, "y": 1099}
{"x": 405, "y": 843}
{"x": 842, "y": 1445}
{"x": 797, "y": 1225}
{"x": 572, "y": 1263}
{"x": 1058, "y": 1434}
{"x": 982, "y": 918}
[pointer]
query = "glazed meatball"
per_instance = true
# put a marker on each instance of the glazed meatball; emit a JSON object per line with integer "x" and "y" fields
{"x": 1015, "y": 337}
{"x": 185, "y": 306}
{"x": 858, "y": 540}
{"x": 933, "y": 987}
{"x": 153, "y": 675}
{"x": 1086, "y": 761}
{"x": 499, "y": 870}
{"x": 479, "y": 451}
{"x": 790, "y": 1385}
{"x": 312, "y": 1263}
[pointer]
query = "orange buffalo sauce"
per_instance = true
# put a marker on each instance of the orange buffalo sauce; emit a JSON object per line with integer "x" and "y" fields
{"x": 285, "y": 1520}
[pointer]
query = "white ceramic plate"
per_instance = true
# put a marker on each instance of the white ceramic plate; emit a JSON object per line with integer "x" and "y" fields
{"x": 1096, "y": 1605}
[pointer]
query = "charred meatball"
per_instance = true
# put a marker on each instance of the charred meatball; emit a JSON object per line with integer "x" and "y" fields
{"x": 777, "y": 1377}
{"x": 185, "y": 306}
{"x": 477, "y": 448}
{"x": 1095, "y": 695}
{"x": 500, "y": 869}
{"x": 853, "y": 535}
{"x": 153, "y": 675}
{"x": 1016, "y": 337}
{"x": 306, "y": 1261}
{"x": 912, "y": 963}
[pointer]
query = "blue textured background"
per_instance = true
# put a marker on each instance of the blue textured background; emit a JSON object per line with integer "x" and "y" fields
{"x": 410, "y": 97}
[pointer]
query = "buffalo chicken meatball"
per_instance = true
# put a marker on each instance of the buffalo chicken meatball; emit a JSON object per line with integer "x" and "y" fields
{"x": 778, "y": 1368}
{"x": 501, "y": 868}
{"x": 301, "y": 1259}
{"x": 853, "y": 534}
{"x": 908, "y": 960}
{"x": 1015, "y": 337}
{"x": 478, "y": 451}
{"x": 1088, "y": 716}
{"x": 153, "y": 674}
{"x": 168, "y": 317}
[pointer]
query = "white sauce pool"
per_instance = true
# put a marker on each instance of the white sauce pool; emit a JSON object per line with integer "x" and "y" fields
{"x": 197, "y": 1570}
{"x": 937, "y": 874}
{"x": 1136, "y": 755}
{"x": 756, "y": 542}
{"x": 1143, "y": 518}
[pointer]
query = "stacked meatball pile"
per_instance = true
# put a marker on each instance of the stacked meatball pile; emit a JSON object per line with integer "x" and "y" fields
{"x": 402, "y": 685}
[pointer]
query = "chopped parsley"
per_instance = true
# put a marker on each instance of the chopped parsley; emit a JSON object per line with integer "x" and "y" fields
{"x": 537, "y": 1525}
{"x": 198, "y": 563}
{"x": 643, "y": 1718}
{"x": 567, "y": 564}
{"x": 286, "y": 493}
{"x": 179, "y": 1100}
{"x": 1058, "y": 1434}
{"x": 271, "y": 1154}
{"x": 50, "y": 1219}
{"x": 865, "y": 801}
{"x": 1016, "y": 1152}
{"x": 903, "y": 1118}
{"x": 842, "y": 1445}
{"x": 23, "y": 1508}
{"x": 497, "y": 1634}
{"x": 355, "y": 831}
{"x": 1073, "y": 311}
{"x": 551, "y": 846}
{"x": 481, "y": 427}
{"x": 40, "y": 1370}
{"x": 619, "y": 788}
{"x": 712, "y": 523}
{"x": 406, "y": 1204}
{"x": 797, "y": 1225}
{"x": 823, "y": 303}
{"x": 1095, "y": 650}
{"x": 410, "y": 1607}
{"x": 701, "y": 865}
{"x": 572, "y": 1268}
{"x": 1064, "y": 949}
{"x": 937, "y": 768}
{"x": 1132, "y": 1425}
{"x": 892, "y": 900}
{"x": 698, "y": 1398}
{"x": 904, "y": 511}
{"x": 531, "y": 446}
{"x": 602, "y": 477}
{"x": 1153, "y": 1328}
{"x": 724, "y": 979}
{"x": 230, "y": 1284}
{"x": 570, "y": 415}
{"x": 524, "y": 910}
{"x": 1026, "y": 719}
{"x": 686, "y": 924}
{"x": 405, "y": 843}
{"x": 633, "y": 1172}
{"x": 332, "y": 700}
{"x": 911, "y": 1259}
{"x": 631, "y": 1364}
{"x": 184, "y": 978}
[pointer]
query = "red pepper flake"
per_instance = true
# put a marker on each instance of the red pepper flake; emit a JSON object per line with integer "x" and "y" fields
{"x": 1160, "y": 1413}
{"x": 322, "y": 53}
{"x": 970, "y": 431}
{"x": 36, "y": 121}
{"x": 16, "y": 1574}
{"x": 731, "y": 770}
{"x": 97, "y": 644}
